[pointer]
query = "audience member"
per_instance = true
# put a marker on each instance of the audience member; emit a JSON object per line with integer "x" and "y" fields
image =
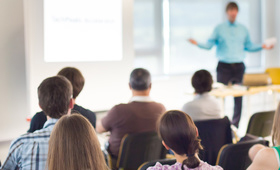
{"x": 264, "y": 157}
{"x": 77, "y": 80}
{"x": 204, "y": 106}
{"x": 74, "y": 145}
{"x": 179, "y": 133}
{"x": 30, "y": 150}
{"x": 139, "y": 115}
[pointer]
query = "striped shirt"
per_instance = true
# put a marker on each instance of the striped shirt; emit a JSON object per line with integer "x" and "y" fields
{"x": 30, "y": 151}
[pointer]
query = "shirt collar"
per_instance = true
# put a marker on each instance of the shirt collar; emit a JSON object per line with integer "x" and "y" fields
{"x": 231, "y": 24}
{"x": 50, "y": 122}
{"x": 202, "y": 95}
{"x": 141, "y": 99}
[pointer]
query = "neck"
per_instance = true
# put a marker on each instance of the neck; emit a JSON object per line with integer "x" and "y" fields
{"x": 68, "y": 113}
{"x": 141, "y": 93}
{"x": 231, "y": 21}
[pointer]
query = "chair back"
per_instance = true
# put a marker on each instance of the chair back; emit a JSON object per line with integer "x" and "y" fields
{"x": 274, "y": 74}
{"x": 213, "y": 134}
{"x": 235, "y": 156}
{"x": 146, "y": 165}
{"x": 260, "y": 124}
{"x": 138, "y": 148}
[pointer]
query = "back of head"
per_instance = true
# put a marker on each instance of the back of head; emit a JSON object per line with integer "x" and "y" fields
{"x": 232, "y": 5}
{"x": 179, "y": 132}
{"x": 140, "y": 79}
{"x": 75, "y": 77}
{"x": 202, "y": 81}
{"x": 54, "y": 95}
{"x": 276, "y": 127}
{"x": 74, "y": 145}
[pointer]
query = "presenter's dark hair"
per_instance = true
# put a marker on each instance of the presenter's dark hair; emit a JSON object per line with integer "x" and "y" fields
{"x": 232, "y": 5}
{"x": 202, "y": 81}
{"x": 54, "y": 95}
{"x": 75, "y": 77}
{"x": 179, "y": 132}
{"x": 140, "y": 79}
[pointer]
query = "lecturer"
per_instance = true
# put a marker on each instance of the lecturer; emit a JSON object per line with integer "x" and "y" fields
{"x": 232, "y": 40}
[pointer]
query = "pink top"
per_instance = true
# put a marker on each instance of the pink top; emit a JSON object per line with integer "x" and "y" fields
{"x": 177, "y": 166}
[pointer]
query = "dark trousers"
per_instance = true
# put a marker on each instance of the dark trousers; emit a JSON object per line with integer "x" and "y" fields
{"x": 232, "y": 73}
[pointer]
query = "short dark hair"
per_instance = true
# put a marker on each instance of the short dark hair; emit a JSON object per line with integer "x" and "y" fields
{"x": 54, "y": 95}
{"x": 232, "y": 5}
{"x": 179, "y": 132}
{"x": 75, "y": 77}
{"x": 202, "y": 81}
{"x": 140, "y": 79}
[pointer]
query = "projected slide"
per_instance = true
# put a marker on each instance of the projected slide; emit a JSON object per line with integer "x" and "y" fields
{"x": 82, "y": 30}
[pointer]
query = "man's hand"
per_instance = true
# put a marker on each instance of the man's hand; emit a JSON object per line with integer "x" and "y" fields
{"x": 267, "y": 47}
{"x": 193, "y": 41}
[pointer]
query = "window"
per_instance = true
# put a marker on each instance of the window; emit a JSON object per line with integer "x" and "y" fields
{"x": 162, "y": 28}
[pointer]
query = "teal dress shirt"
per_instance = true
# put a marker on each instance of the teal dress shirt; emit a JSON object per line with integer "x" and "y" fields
{"x": 232, "y": 40}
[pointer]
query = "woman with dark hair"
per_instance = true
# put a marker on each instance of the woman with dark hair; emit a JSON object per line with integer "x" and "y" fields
{"x": 179, "y": 133}
{"x": 204, "y": 106}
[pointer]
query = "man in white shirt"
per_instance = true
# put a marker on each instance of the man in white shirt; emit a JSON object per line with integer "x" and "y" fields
{"x": 204, "y": 106}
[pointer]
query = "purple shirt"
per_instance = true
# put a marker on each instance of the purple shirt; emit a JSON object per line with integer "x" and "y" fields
{"x": 177, "y": 166}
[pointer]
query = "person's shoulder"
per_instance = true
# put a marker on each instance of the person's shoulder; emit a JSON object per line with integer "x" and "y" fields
{"x": 206, "y": 166}
{"x": 39, "y": 115}
{"x": 39, "y": 135}
{"x": 265, "y": 159}
{"x": 82, "y": 109}
{"x": 159, "y": 166}
{"x": 188, "y": 105}
{"x": 158, "y": 104}
{"x": 241, "y": 26}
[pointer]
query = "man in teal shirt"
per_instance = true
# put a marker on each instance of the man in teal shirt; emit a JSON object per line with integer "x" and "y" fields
{"x": 232, "y": 40}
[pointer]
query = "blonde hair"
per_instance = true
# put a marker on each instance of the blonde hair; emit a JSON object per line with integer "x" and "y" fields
{"x": 74, "y": 145}
{"x": 276, "y": 127}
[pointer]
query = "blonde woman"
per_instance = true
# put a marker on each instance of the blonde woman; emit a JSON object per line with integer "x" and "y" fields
{"x": 264, "y": 157}
{"x": 74, "y": 145}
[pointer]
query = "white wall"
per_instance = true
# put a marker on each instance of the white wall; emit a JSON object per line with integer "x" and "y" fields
{"x": 13, "y": 100}
{"x": 271, "y": 28}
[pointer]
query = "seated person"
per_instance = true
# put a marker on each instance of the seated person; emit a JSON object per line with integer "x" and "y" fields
{"x": 204, "y": 106}
{"x": 30, "y": 151}
{"x": 264, "y": 157}
{"x": 184, "y": 143}
{"x": 70, "y": 131}
{"x": 137, "y": 116}
{"x": 77, "y": 80}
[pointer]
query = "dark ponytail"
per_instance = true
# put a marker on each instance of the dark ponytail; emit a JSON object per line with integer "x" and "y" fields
{"x": 179, "y": 132}
{"x": 192, "y": 161}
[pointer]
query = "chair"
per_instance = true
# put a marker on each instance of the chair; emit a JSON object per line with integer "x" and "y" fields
{"x": 138, "y": 148}
{"x": 235, "y": 156}
{"x": 260, "y": 124}
{"x": 213, "y": 134}
{"x": 146, "y": 165}
{"x": 274, "y": 74}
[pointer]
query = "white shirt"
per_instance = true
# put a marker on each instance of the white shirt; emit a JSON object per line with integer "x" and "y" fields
{"x": 203, "y": 107}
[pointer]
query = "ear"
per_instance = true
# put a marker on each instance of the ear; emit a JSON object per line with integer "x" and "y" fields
{"x": 129, "y": 86}
{"x": 166, "y": 147}
{"x": 197, "y": 134}
{"x": 71, "y": 104}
